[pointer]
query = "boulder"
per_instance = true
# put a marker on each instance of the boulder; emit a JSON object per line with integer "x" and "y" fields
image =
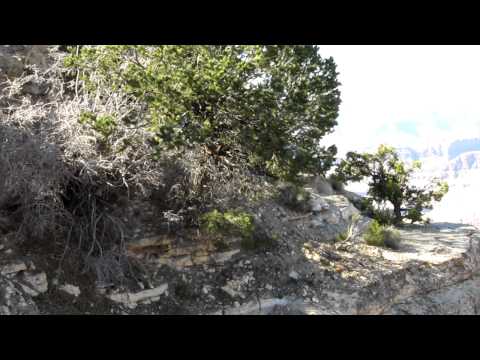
{"x": 131, "y": 300}
{"x": 335, "y": 215}
{"x": 70, "y": 289}
{"x": 322, "y": 186}
{"x": 355, "y": 199}
{"x": 13, "y": 268}
{"x": 33, "y": 283}
{"x": 318, "y": 204}
{"x": 13, "y": 301}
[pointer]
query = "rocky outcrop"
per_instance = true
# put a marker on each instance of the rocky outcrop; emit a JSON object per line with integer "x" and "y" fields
{"x": 434, "y": 272}
{"x": 459, "y": 299}
{"x": 19, "y": 283}
{"x": 335, "y": 216}
{"x": 131, "y": 300}
{"x": 322, "y": 186}
{"x": 13, "y": 301}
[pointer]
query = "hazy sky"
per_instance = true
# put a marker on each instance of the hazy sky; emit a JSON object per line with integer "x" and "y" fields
{"x": 405, "y": 95}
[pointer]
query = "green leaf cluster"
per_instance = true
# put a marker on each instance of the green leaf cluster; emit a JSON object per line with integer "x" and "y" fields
{"x": 382, "y": 236}
{"x": 390, "y": 181}
{"x": 105, "y": 125}
{"x": 271, "y": 103}
{"x": 234, "y": 223}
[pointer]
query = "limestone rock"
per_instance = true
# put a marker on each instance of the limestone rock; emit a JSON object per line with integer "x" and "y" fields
{"x": 224, "y": 256}
{"x": 294, "y": 275}
{"x": 332, "y": 218}
{"x": 334, "y": 215}
{"x": 459, "y": 299}
{"x": 354, "y": 198}
{"x": 34, "y": 284}
{"x": 318, "y": 204}
{"x": 233, "y": 293}
{"x": 263, "y": 307}
{"x": 434, "y": 271}
{"x": 322, "y": 186}
{"x": 70, "y": 289}
{"x": 133, "y": 299}
{"x": 13, "y": 268}
{"x": 234, "y": 287}
{"x": 13, "y": 301}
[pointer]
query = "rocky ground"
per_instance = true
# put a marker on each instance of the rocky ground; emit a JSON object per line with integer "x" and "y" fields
{"x": 435, "y": 271}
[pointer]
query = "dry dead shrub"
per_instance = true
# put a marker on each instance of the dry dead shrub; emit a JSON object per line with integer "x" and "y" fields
{"x": 56, "y": 180}
{"x": 31, "y": 183}
{"x": 60, "y": 178}
{"x": 196, "y": 183}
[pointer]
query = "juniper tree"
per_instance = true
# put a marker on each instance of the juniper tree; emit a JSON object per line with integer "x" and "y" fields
{"x": 390, "y": 180}
{"x": 273, "y": 104}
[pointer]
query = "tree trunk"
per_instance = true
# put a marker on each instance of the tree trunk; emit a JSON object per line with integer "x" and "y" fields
{"x": 398, "y": 213}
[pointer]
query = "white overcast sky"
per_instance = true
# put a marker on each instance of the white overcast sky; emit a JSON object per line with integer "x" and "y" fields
{"x": 405, "y": 95}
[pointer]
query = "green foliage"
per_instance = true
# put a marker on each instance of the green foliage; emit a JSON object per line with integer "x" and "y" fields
{"x": 374, "y": 234}
{"x": 235, "y": 223}
{"x": 342, "y": 236}
{"x": 383, "y": 215}
{"x": 105, "y": 125}
{"x": 272, "y": 103}
{"x": 391, "y": 238}
{"x": 294, "y": 197}
{"x": 380, "y": 235}
{"x": 390, "y": 181}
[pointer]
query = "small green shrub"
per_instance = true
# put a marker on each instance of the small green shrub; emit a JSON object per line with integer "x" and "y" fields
{"x": 384, "y": 216}
{"x": 105, "y": 125}
{"x": 342, "y": 236}
{"x": 235, "y": 223}
{"x": 294, "y": 197}
{"x": 374, "y": 234}
{"x": 380, "y": 235}
{"x": 392, "y": 238}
